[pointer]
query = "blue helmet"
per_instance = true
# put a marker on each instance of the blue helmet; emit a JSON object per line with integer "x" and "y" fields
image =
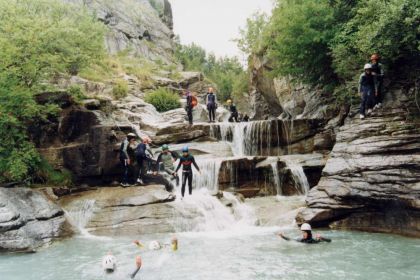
{"x": 185, "y": 149}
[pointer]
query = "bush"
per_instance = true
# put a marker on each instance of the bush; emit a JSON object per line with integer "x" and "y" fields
{"x": 163, "y": 99}
{"x": 120, "y": 89}
{"x": 77, "y": 92}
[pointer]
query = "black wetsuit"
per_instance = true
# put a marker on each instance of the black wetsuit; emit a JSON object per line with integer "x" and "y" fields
{"x": 379, "y": 78}
{"x": 233, "y": 113}
{"x": 187, "y": 173}
{"x": 189, "y": 108}
{"x": 211, "y": 106}
{"x": 308, "y": 240}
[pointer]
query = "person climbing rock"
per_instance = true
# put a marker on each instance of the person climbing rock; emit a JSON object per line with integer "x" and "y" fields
{"x": 125, "y": 157}
{"x": 138, "y": 267}
{"x": 378, "y": 73}
{"x": 366, "y": 91}
{"x": 186, "y": 161}
{"x": 211, "y": 102}
{"x": 190, "y": 106}
{"x": 233, "y": 111}
{"x": 143, "y": 155}
{"x": 307, "y": 236}
{"x": 165, "y": 163}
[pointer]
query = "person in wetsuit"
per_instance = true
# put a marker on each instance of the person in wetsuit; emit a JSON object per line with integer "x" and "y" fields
{"x": 143, "y": 155}
{"x": 307, "y": 236}
{"x": 186, "y": 161}
{"x": 165, "y": 162}
{"x": 125, "y": 157}
{"x": 233, "y": 111}
{"x": 211, "y": 102}
{"x": 189, "y": 107}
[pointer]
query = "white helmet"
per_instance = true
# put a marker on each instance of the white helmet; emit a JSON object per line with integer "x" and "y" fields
{"x": 368, "y": 66}
{"x": 154, "y": 245}
{"x": 109, "y": 263}
{"x": 305, "y": 227}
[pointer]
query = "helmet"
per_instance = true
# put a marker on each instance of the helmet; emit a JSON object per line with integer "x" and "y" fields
{"x": 368, "y": 66}
{"x": 165, "y": 147}
{"x": 154, "y": 245}
{"x": 185, "y": 149}
{"x": 305, "y": 227}
{"x": 229, "y": 101}
{"x": 109, "y": 263}
{"x": 375, "y": 56}
{"x": 131, "y": 136}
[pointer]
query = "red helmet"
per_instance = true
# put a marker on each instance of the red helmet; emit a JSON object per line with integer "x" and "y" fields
{"x": 375, "y": 56}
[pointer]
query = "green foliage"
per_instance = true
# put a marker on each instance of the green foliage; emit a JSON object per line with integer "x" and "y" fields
{"x": 227, "y": 73}
{"x": 251, "y": 37}
{"x": 46, "y": 174}
{"x": 299, "y": 37}
{"x": 38, "y": 41}
{"x": 77, "y": 92}
{"x": 327, "y": 42}
{"x": 120, "y": 89}
{"x": 163, "y": 100}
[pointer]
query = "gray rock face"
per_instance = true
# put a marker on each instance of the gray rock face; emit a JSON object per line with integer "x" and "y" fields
{"x": 28, "y": 220}
{"x": 129, "y": 211}
{"x": 372, "y": 180}
{"x": 279, "y": 97}
{"x": 143, "y": 26}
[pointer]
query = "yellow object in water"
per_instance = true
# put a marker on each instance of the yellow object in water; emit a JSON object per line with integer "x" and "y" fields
{"x": 174, "y": 244}
{"x": 139, "y": 244}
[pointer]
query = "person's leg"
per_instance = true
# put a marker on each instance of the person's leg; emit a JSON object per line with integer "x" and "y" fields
{"x": 213, "y": 113}
{"x": 190, "y": 116}
{"x": 209, "y": 109}
{"x": 184, "y": 182}
{"x": 140, "y": 173}
{"x": 363, "y": 103}
{"x": 236, "y": 117}
{"x": 125, "y": 172}
{"x": 231, "y": 118}
{"x": 190, "y": 179}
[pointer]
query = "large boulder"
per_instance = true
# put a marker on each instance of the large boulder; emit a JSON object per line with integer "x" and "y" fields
{"x": 28, "y": 220}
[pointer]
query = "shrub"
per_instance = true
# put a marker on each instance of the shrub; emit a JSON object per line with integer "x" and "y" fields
{"x": 120, "y": 89}
{"x": 77, "y": 92}
{"x": 163, "y": 99}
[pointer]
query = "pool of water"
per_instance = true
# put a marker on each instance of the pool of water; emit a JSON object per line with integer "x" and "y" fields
{"x": 252, "y": 253}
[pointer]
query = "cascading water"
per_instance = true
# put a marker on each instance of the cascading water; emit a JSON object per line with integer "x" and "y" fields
{"x": 249, "y": 138}
{"x": 299, "y": 177}
{"x": 275, "y": 168}
{"x": 80, "y": 214}
{"x": 213, "y": 214}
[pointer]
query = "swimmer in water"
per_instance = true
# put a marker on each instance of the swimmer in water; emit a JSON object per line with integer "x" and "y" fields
{"x": 307, "y": 236}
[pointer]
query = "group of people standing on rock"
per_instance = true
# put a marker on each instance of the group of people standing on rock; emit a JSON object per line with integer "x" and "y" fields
{"x": 371, "y": 86}
{"x": 212, "y": 105}
{"x": 132, "y": 152}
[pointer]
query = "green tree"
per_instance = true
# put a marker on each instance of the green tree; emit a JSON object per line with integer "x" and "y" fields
{"x": 251, "y": 37}
{"x": 38, "y": 40}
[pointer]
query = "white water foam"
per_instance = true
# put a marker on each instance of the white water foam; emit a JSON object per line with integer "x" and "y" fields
{"x": 80, "y": 214}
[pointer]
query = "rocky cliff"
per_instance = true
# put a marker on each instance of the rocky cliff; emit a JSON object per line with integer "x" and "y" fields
{"x": 143, "y": 27}
{"x": 372, "y": 180}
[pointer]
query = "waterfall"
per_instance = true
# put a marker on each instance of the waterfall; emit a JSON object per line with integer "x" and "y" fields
{"x": 80, "y": 214}
{"x": 275, "y": 168}
{"x": 249, "y": 138}
{"x": 209, "y": 177}
{"x": 299, "y": 177}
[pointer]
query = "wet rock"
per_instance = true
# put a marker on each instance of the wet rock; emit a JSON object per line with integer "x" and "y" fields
{"x": 372, "y": 180}
{"x": 129, "y": 211}
{"x": 28, "y": 220}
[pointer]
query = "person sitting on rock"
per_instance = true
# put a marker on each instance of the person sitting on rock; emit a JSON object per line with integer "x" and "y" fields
{"x": 211, "y": 102}
{"x": 307, "y": 236}
{"x": 186, "y": 161}
{"x": 366, "y": 91}
{"x": 233, "y": 111}
{"x": 125, "y": 157}
{"x": 165, "y": 163}
{"x": 143, "y": 155}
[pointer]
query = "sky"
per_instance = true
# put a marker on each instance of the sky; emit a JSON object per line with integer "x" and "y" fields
{"x": 212, "y": 24}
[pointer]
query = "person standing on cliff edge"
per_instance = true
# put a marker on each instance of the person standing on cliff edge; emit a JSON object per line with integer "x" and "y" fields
{"x": 190, "y": 106}
{"x": 211, "y": 102}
